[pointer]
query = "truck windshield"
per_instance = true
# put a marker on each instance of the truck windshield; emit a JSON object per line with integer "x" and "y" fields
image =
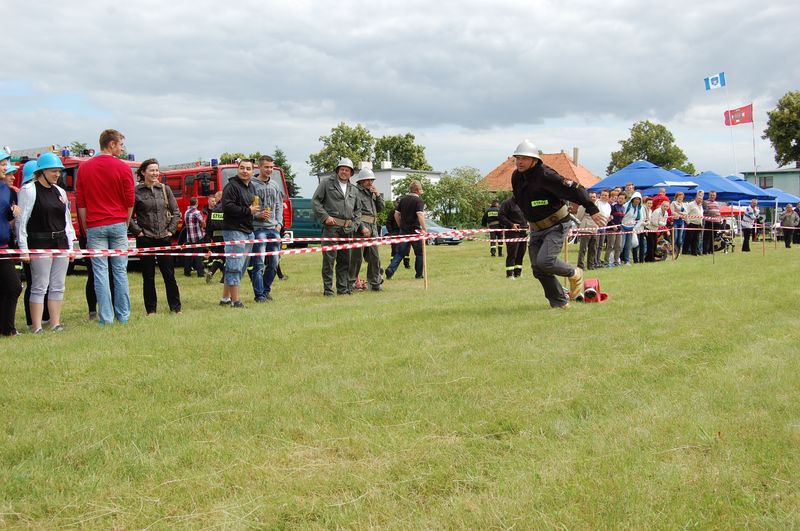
{"x": 228, "y": 173}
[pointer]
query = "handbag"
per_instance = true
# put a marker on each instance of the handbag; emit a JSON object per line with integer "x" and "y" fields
{"x": 166, "y": 203}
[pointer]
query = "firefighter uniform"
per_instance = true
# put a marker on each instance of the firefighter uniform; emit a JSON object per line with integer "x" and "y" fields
{"x": 541, "y": 193}
{"x": 491, "y": 219}
{"x": 214, "y": 235}
{"x": 370, "y": 204}
{"x": 339, "y": 202}
{"x": 511, "y": 215}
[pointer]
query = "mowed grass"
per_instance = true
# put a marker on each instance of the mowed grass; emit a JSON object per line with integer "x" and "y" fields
{"x": 469, "y": 405}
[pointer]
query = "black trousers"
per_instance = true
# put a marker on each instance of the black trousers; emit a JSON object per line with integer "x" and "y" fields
{"x": 10, "y": 288}
{"x": 167, "y": 268}
{"x": 748, "y": 233}
{"x": 711, "y": 228}
{"x": 515, "y": 254}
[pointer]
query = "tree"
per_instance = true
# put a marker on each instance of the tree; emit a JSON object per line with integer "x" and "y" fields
{"x": 402, "y": 151}
{"x": 280, "y": 160}
{"x": 460, "y": 201}
{"x": 230, "y": 158}
{"x": 76, "y": 148}
{"x": 403, "y": 186}
{"x": 651, "y": 142}
{"x": 355, "y": 143}
{"x": 783, "y": 129}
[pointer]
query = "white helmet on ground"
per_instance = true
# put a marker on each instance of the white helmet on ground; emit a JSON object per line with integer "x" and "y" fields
{"x": 347, "y": 163}
{"x": 527, "y": 149}
{"x": 365, "y": 174}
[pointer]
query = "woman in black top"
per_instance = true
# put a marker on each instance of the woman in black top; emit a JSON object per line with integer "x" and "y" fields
{"x": 45, "y": 223}
{"x": 154, "y": 221}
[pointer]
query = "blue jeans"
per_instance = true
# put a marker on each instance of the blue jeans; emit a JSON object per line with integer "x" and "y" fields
{"x": 264, "y": 276}
{"x": 627, "y": 244}
{"x": 110, "y": 237}
{"x": 679, "y": 235}
{"x": 402, "y": 250}
{"x": 236, "y": 265}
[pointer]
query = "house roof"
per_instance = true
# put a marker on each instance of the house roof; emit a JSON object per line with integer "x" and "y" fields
{"x": 500, "y": 177}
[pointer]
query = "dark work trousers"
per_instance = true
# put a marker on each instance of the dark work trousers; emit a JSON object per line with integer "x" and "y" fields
{"x": 796, "y": 235}
{"x": 748, "y": 233}
{"x": 652, "y": 239}
{"x": 167, "y": 268}
{"x": 642, "y": 250}
{"x": 341, "y": 258}
{"x": 694, "y": 238}
{"x": 711, "y": 228}
{"x": 587, "y": 249}
{"x": 26, "y": 268}
{"x": 787, "y": 237}
{"x": 373, "y": 259}
{"x": 515, "y": 254}
{"x": 10, "y": 288}
{"x": 494, "y": 243}
{"x": 193, "y": 262}
{"x": 545, "y": 247}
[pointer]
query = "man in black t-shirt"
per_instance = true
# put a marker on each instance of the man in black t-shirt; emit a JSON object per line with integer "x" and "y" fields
{"x": 410, "y": 216}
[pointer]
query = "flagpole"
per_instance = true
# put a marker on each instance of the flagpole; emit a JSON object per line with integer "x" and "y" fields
{"x": 730, "y": 127}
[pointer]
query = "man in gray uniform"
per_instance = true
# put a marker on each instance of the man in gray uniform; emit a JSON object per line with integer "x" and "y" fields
{"x": 335, "y": 205}
{"x": 370, "y": 203}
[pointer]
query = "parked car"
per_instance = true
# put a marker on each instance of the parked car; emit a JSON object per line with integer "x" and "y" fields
{"x": 435, "y": 228}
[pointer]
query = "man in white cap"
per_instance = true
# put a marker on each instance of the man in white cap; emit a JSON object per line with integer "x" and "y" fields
{"x": 335, "y": 205}
{"x": 541, "y": 193}
{"x": 370, "y": 204}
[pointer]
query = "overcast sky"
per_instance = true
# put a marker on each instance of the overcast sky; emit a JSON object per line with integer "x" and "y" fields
{"x": 470, "y": 79}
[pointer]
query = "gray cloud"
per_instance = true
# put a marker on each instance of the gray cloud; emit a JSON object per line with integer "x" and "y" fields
{"x": 200, "y": 77}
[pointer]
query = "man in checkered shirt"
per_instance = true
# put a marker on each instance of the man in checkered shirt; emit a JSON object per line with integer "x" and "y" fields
{"x": 195, "y": 233}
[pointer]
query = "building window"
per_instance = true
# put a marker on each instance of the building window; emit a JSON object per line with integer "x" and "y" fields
{"x": 765, "y": 182}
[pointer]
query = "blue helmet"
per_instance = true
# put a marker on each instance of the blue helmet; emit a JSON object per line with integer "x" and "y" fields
{"x": 47, "y": 161}
{"x": 28, "y": 170}
{"x": 11, "y": 169}
{"x": 4, "y": 155}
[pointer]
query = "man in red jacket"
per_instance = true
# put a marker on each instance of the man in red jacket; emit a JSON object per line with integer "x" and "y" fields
{"x": 105, "y": 197}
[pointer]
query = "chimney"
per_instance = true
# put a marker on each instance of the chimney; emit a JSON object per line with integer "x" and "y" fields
{"x": 575, "y": 156}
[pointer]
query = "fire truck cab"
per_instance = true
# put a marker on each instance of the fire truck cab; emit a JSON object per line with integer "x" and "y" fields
{"x": 202, "y": 180}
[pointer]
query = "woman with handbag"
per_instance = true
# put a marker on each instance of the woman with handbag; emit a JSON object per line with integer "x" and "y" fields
{"x": 154, "y": 221}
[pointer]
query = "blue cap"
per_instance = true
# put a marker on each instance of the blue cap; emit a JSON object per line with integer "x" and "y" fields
{"x": 4, "y": 154}
{"x": 11, "y": 169}
{"x": 28, "y": 170}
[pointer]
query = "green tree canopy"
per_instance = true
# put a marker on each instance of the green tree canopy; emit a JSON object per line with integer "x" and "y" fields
{"x": 651, "y": 142}
{"x": 230, "y": 158}
{"x": 403, "y": 151}
{"x": 460, "y": 201}
{"x": 76, "y": 148}
{"x": 280, "y": 160}
{"x": 783, "y": 129}
{"x": 355, "y": 143}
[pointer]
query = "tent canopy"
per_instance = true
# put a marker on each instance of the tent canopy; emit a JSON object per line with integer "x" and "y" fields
{"x": 642, "y": 174}
{"x": 759, "y": 193}
{"x": 726, "y": 189}
{"x": 783, "y": 198}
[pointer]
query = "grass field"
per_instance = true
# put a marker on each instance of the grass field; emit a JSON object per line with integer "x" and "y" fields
{"x": 471, "y": 405}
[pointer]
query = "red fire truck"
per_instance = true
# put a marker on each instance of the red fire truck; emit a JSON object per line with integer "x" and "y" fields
{"x": 201, "y": 180}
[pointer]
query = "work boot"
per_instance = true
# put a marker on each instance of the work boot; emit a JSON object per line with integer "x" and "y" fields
{"x": 576, "y": 284}
{"x": 406, "y": 263}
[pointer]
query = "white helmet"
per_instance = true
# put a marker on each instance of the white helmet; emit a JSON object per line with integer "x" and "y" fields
{"x": 527, "y": 149}
{"x": 365, "y": 174}
{"x": 347, "y": 163}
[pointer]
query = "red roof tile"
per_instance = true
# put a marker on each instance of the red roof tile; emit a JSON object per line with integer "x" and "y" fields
{"x": 500, "y": 177}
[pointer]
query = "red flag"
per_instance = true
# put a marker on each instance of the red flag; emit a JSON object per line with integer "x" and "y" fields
{"x": 742, "y": 115}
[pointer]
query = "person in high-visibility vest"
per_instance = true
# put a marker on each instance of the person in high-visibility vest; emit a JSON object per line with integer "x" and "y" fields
{"x": 491, "y": 219}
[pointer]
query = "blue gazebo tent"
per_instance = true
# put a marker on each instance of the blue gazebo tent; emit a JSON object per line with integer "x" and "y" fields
{"x": 726, "y": 189}
{"x": 781, "y": 198}
{"x": 760, "y": 193}
{"x": 641, "y": 173}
